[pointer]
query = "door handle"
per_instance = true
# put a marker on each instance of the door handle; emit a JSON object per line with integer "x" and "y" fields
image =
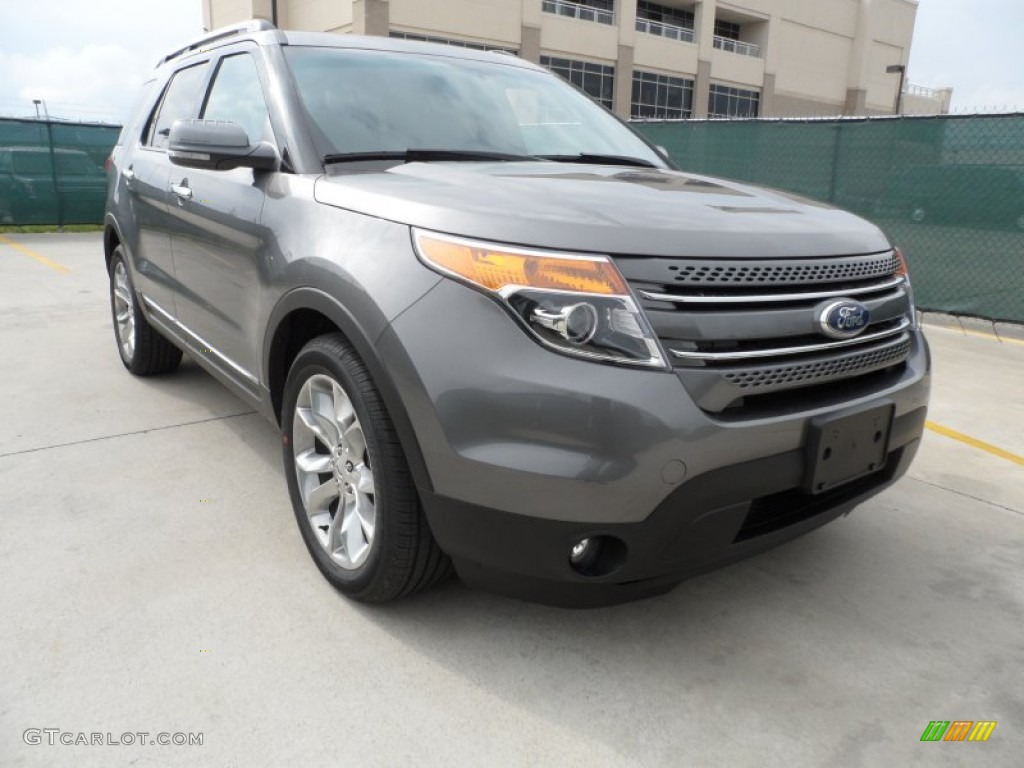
{"x": 183, "y": 192}
{"x": 128, "y": 174}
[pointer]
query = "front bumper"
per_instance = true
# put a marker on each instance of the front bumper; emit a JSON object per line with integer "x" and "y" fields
{"x": 528, "y": 451}
{"x": 718, "y": 518}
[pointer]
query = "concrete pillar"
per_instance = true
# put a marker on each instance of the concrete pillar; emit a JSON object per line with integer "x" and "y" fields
{"x": 946, "y": 97}
{"x": 371, "y": 17}
{"x": 857, "y": 75}
{"x": 768, "y": 97}
{"x": 529, "y": 46}
{"x": 215, "y": 15}
{"x": 702, "y": 89}
{"x": 623, "y": 96}
{"x": 770, "y": 47}
{"x": 856, "y": 101}
{"x": 625, "y": 18}
{"x": 262, "y": 9}
{"x": 704, "y": 23}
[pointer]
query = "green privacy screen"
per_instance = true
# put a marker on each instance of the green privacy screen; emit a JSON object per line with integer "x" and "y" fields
{"x": 52, "y": 172}
{"x": 948, "y": 190}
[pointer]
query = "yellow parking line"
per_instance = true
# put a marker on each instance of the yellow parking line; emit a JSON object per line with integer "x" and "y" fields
{"x": 33, "y": 255}
{"x": 981, "y": 445}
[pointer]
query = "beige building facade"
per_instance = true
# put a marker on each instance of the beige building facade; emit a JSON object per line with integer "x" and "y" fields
{"x": 670, "y": 59}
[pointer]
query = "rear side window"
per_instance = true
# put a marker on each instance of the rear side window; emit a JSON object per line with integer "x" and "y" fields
{"x": 237, "y": 96}
{"x": 180, "y": 101}
{"x": 135, "y": 117}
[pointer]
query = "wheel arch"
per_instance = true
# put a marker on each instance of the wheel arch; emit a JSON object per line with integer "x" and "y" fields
{"x": 111, "y": 239}
{"x": 302, "y": 315}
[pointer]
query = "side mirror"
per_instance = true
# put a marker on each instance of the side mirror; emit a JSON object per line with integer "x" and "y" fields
{"x": 217, "y": 145}
{"x": 662, "y": 151}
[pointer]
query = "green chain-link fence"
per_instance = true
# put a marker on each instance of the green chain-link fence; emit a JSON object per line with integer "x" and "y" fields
{"x": 51, "y": 172}
{"x": 948, "y": 190}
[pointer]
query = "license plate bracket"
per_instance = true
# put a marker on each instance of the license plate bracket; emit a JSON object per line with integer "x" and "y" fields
{"x": 848, "y": 446}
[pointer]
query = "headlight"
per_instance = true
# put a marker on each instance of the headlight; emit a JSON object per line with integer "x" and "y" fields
{"x": 577, "y": 304}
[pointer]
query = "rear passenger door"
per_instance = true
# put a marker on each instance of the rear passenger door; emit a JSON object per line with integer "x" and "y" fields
{"x": 217, "y": 237}
{"x": 145, "y": 175}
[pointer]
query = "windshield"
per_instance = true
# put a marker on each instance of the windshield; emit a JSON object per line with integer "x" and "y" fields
{"x": 382, "y": 101}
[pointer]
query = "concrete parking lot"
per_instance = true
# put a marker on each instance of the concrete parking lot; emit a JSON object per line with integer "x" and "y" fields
{"x": 153, "y": 580}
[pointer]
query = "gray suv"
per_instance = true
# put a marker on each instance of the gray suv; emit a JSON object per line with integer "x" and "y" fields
{"x": 499, "y": 330}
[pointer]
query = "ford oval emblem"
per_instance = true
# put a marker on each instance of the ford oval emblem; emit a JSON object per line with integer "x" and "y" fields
{"x": 843, "y": 319}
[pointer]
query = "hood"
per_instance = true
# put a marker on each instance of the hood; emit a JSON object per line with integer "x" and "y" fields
{"x": 603, "y": 209}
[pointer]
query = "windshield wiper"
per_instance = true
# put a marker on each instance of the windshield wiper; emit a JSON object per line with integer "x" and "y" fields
{"x": 423, "y": 156}
{"x": 587, "y": 158}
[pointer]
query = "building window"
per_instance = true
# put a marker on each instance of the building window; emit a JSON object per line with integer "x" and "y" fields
{"x": 664, "y": 14}
{"x": 667, "y": 22}
{"x": 601, "y": 11}
{"x": 447, "y": 41}
{"x": 725, "y": 101}
{"x": 727, "y": 29}
{"x": 661, "y": 96}
{"x": 596, "y": 80}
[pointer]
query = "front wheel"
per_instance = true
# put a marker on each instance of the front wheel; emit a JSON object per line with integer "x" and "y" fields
{"x": 353, "y": 495}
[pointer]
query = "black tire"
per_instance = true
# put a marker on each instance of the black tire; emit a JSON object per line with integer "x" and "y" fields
{"x": 403, "y": 556}
{"x": 150, "y": 353}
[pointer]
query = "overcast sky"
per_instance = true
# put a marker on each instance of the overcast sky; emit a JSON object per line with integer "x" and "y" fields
{"x": 87, "y": 57}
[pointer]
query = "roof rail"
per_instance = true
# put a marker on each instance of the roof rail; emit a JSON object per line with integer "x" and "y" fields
{"x": 245, "y": 27}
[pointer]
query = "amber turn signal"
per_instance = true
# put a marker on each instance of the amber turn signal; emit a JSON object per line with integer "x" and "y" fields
{"x": 901, "y": 270}
{"x": 498, "y": 268}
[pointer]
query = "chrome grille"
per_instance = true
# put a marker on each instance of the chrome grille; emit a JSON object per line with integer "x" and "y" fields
{"x": 736, "y": 328}
{"x": 807, "y": 347}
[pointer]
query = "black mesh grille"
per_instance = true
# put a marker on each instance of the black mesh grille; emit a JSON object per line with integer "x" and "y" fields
{"x": 767, "y": 273}
{"x": 805, "y": 374}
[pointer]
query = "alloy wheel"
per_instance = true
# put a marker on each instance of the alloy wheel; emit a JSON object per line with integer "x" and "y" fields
{"x": 124, "y": 311}
{"x": 333, "y": 471}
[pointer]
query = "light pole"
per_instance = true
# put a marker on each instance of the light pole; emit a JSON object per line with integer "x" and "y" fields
{"x": 892, "y": 69}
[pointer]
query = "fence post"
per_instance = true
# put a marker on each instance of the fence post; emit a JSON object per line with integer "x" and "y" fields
{"x": 834, "y": 176}
{"x": 53, "y": 174}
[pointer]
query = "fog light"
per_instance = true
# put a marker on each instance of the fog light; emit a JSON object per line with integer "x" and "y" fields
{"x": 597, "y": 555}
{"x": 579, "y": 551}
